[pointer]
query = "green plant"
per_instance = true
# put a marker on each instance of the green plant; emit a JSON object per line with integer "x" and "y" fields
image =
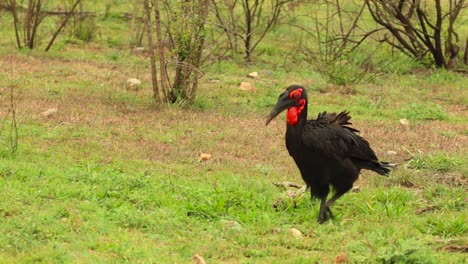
{"x": 419, "y": 111}
{"x": 84, "y": 28}
{"x": 440, "y": 162}
{"x": 444, "y": 226}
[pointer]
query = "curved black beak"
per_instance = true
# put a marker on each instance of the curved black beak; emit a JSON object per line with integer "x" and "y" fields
{"x": 284, "y": 102}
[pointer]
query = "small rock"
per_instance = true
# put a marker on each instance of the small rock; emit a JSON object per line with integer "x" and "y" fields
{"x": 133, "y": 83}
{"x": 49, "y": 112}
{"x": 139, "y": 49}
{"x": 341, "y": 258}
{"x": 197, "y": 259}
{"x": 391, "y": 153}
{"x": 204, "y": 157}
{"x": 295, "y": 233}
{"x": 246, "y": 86}
{"x": 404, "y": 122}
{"x": 253, "y": 75}
{"x": 231, "y": 225}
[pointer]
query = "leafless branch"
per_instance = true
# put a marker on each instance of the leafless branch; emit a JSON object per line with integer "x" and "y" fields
{"x": 62, "y": 25}
{"x": 423, "y": 33}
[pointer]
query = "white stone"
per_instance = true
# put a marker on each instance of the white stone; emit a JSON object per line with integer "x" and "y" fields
{"x": 253, "y": 75}
{"x": 404, "y": 122}
{"x": 132, "y": 84}
{"x": 295, "y": 232}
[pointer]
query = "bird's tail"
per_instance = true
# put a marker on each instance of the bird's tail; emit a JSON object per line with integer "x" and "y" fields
{"x": 381, "y": 167}
{"x": 384, "y": 168}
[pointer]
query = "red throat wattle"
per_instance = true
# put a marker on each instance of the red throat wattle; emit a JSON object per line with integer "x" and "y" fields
{"x": 292, "y": 117}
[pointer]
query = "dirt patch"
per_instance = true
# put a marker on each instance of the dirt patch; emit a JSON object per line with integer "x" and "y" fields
{"x": 456, "y": 248}
{"x": 423, "y": 137}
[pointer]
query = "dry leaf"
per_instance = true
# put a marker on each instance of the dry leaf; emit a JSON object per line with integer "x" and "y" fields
{"x": 457, "y": 248}
{"x": 197, "y": 259}
{"x": 246, "y": 86}
{"x": 341, "y": 258}
{"x": 204, "y": 157}
{"x": 49, "y": 112}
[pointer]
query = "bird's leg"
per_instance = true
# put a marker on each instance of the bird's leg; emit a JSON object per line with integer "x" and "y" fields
{"x": 330, "y": 212}
{"x": 323, "y": 210}
{"x": 332, "y": 200}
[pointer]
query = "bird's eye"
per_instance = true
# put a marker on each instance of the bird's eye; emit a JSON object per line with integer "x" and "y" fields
{"x": 296, "y": 94}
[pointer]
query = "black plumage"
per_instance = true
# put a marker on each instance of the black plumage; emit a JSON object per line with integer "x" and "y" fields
{"x": 327, "y": 150}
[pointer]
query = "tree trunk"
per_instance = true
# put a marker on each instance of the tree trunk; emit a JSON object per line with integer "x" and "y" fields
{"x": 149, "y": 32}
{"x": 168, "y": 95}
{"x": 438, "y": 52}
{"x": 197, "y": 63}
{"x": 15, "y": 22}
{"x": 453, "y": 51}
{"x": 465, "y": 57}
{"x": 248, "y": 35}
{"x": 27, "y": 24}
{"x": 37, "y": 21}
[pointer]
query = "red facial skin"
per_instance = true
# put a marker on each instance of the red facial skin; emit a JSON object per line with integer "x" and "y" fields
{"x": 293, "y": 113}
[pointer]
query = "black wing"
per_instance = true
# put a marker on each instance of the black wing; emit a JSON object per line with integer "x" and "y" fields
{"x": 330, "y": 135}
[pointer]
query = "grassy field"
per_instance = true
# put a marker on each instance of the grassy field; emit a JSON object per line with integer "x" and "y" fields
{"x": 111, "y": 178}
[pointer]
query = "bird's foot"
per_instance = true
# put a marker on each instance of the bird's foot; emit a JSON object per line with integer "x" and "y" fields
{"x": 321, "y": 219}
{"x": 324, "y": 215}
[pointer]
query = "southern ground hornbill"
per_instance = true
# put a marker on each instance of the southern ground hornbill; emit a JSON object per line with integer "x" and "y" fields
{"x": 327, "y": 150}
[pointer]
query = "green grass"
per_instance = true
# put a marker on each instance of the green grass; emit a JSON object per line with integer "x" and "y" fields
{"x": 439, "y": 162}
{"x": 427, "y": 111}
{"x": 110, "y": 178}
{"x": 69, "y": 196}
{"x": 103, "y": 213}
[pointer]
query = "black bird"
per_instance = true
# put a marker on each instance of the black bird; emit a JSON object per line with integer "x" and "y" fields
{"x": 327, "y": 151}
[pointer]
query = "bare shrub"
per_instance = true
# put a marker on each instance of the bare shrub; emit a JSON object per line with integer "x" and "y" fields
{"x": 247, "y": 21}
{"x": 333, "y": 40}
{"x": 27, "y": 21}
{"x": 420, "y": 28}
{"x": 184, "y": 29}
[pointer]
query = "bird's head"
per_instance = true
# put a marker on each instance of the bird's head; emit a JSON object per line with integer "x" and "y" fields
{"x": 295, "y": 100}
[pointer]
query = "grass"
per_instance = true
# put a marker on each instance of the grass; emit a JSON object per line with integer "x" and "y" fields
{"x": 110, "y": 178}
{"x": 439, "y": 162}
{"x": 428, "y": 111}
